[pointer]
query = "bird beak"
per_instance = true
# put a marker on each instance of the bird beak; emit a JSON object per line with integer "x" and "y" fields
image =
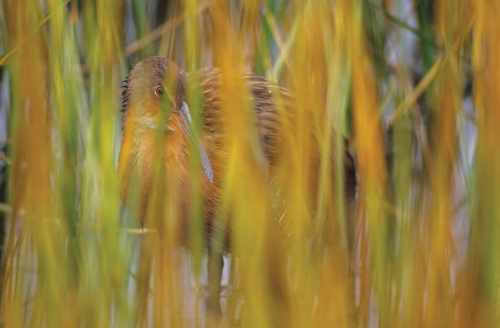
{"x": 185, "y": 124}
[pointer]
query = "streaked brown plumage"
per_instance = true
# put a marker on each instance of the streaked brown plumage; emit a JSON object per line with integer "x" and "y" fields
{"x": 141, "y": 108}
{"x": 157, "y": 78}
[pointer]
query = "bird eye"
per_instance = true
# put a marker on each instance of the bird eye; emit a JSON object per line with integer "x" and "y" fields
{"x": 159, "y": 91}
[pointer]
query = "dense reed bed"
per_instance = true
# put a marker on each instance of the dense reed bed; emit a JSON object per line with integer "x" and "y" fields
{"x": 410, "y": 84}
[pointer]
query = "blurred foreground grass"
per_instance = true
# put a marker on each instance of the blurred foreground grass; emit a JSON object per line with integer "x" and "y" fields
{"x": 418, "y": 247}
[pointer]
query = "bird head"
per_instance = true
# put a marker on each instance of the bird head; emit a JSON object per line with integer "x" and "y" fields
{"x": 155, "y": 98}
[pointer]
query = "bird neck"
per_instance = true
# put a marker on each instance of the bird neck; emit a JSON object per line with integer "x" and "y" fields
{"x": 147, "y": 144}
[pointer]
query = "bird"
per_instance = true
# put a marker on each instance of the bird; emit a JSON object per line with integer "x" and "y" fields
{"x": 150, "y": 131}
